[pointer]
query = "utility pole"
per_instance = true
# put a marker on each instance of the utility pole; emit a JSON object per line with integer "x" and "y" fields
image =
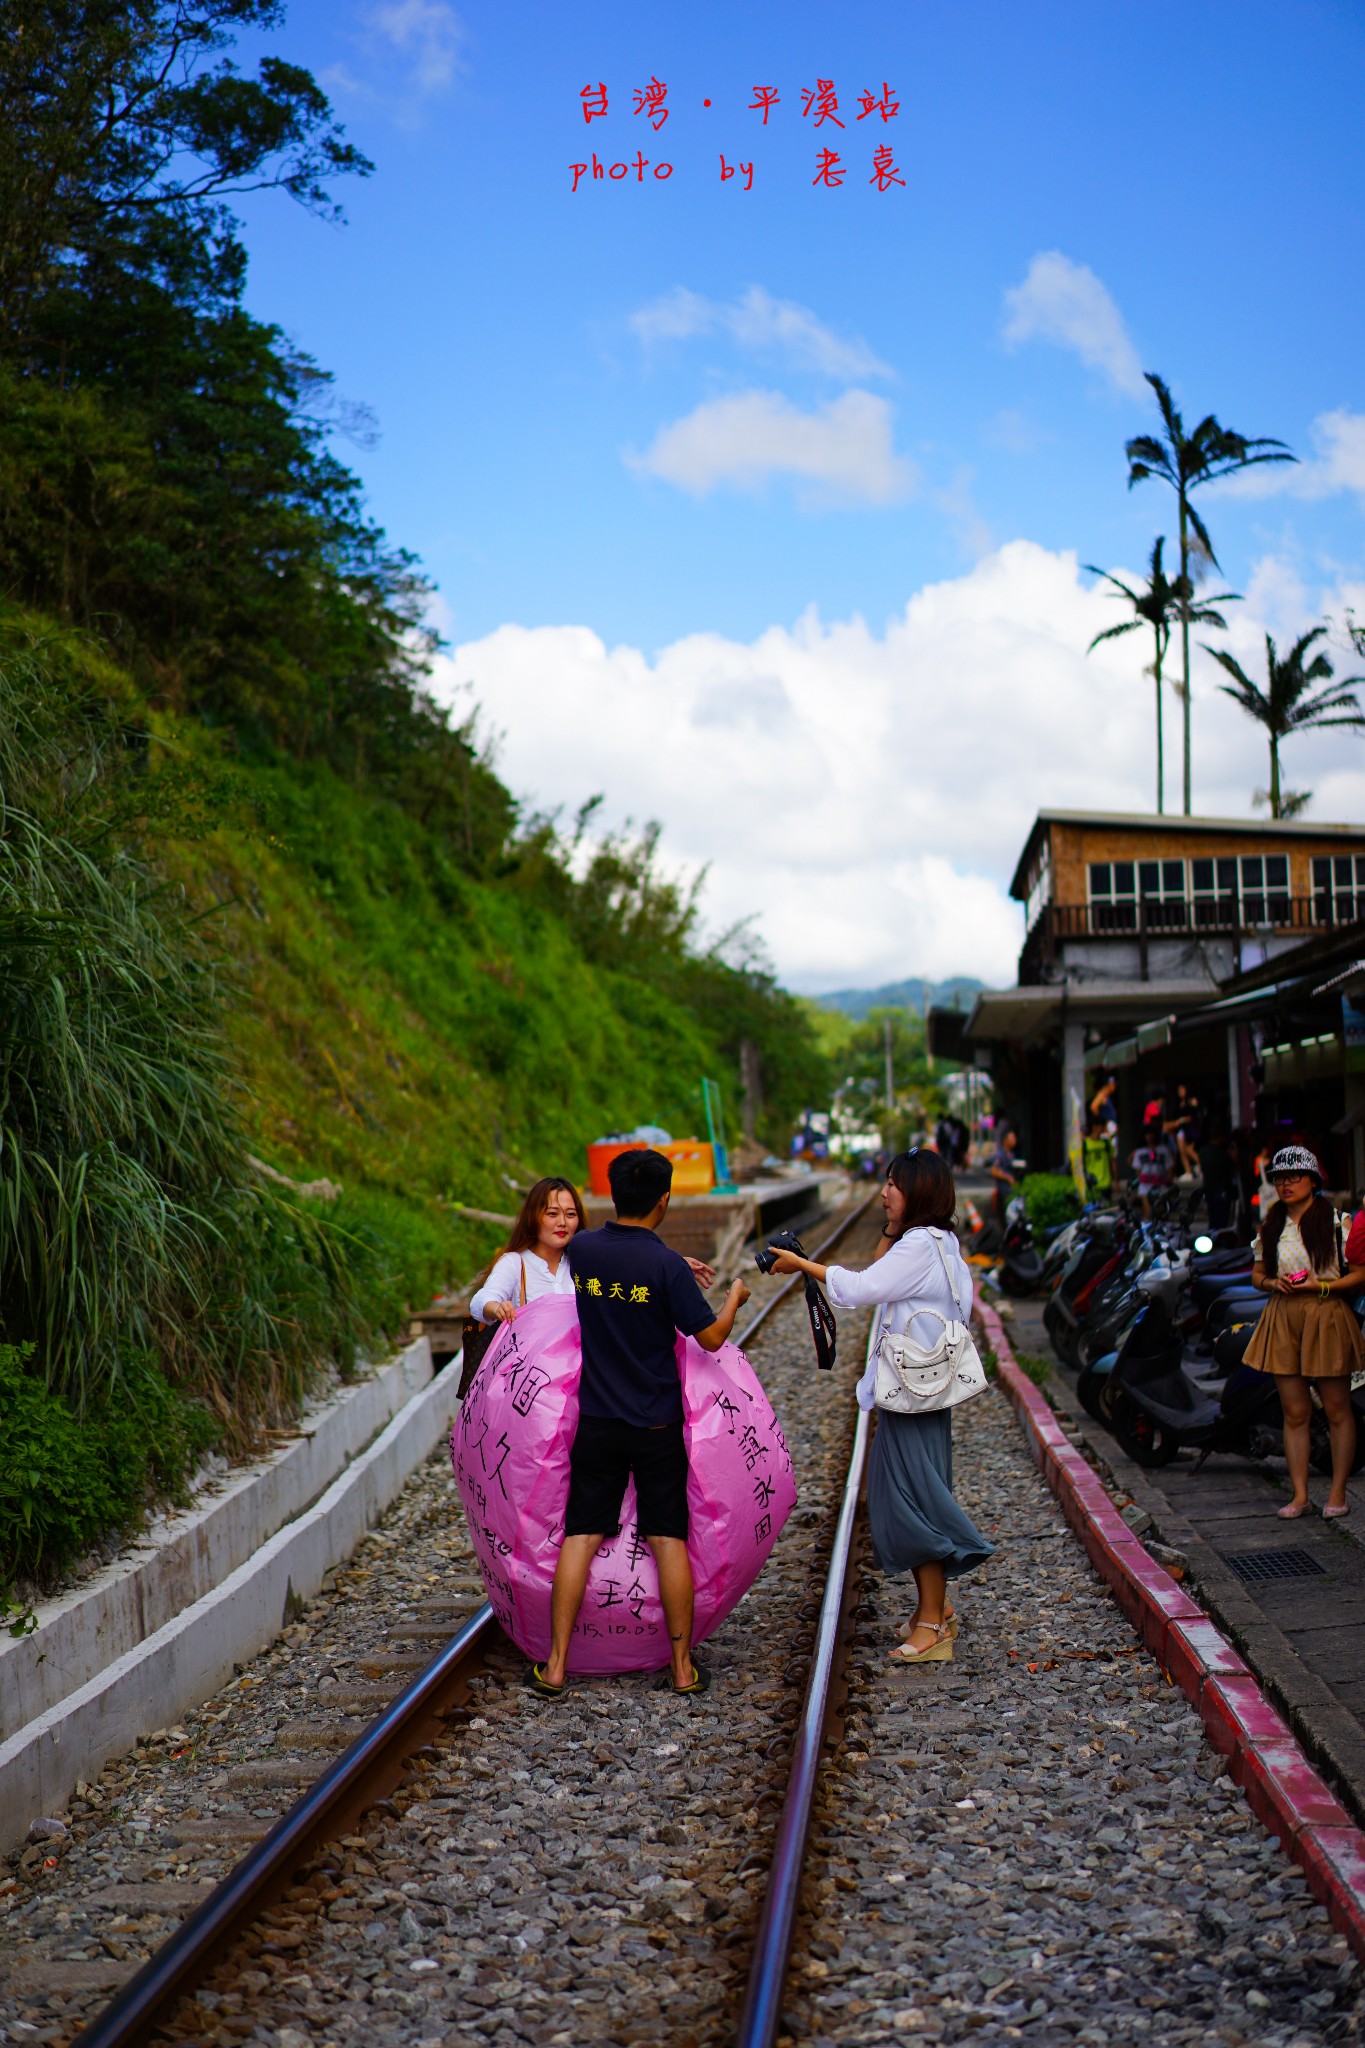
{"x": 890, "y": 1083}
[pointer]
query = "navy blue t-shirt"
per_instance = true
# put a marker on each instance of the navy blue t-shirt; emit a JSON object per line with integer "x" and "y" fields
{"x": 634, "y": 1294}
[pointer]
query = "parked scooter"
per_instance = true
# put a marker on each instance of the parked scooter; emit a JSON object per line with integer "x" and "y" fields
{"x": 1155, "y": 1407}
{"x": 1020, "y": 1270}
{"x": 1094, "y": 1259}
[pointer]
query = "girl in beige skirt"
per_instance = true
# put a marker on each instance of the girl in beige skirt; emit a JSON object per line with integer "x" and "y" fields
{"x": 1307, "y": 1332}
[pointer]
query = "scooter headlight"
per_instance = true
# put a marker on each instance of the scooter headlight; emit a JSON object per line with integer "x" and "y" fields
{"x": 1203, "y": 1243}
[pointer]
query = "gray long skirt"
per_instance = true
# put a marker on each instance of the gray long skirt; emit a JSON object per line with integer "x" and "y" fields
{"x": 913, "y": 1516}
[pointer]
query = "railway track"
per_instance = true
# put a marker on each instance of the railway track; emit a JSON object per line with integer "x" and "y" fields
{"x": 414, "y": 1731}
{"x": 1034, "y": 1841}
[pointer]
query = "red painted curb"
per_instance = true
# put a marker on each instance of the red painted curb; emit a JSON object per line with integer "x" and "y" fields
{"x": 1280, "y": 1785}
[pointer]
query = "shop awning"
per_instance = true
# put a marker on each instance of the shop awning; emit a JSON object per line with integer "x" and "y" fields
{"x": 1252, "y": 1003}
{"x": 1355, "y": 972}
{"x": 1027, "y": 1014}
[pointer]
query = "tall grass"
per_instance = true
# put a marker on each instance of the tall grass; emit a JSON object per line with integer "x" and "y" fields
{"x": 130, "y": 1226}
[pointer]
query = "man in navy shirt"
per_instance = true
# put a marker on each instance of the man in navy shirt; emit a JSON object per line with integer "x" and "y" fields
{"x": 634, "y": 1295}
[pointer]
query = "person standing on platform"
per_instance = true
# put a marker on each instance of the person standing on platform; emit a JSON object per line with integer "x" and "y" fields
{"x": 916, "y": 1524}
{"x": 635, "y": 1297}
{"x": 1307, "y": 1336}
{"x": 1097, "y": 1159}
{"x": 1005, "y": 1169}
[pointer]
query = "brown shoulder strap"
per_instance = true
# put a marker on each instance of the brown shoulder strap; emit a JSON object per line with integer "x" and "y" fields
{"x": 523, "y": 1283}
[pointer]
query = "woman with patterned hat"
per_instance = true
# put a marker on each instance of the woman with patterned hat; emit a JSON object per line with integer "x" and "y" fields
{"x": 1307, "y": 1332}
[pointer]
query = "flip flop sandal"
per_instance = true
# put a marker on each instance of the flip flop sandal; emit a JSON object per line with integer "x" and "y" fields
{"x": 701, "y": 1679}
{"x": 536, "y": 1681}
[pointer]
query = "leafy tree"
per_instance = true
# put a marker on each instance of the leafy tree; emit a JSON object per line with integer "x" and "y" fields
{"x": 166, "y": 474}
{"x": 122, "y": 138}
{"x": 1157, "y": 604}
{"x": 1290, "y": 704}
{"x": 1186, "y": 461}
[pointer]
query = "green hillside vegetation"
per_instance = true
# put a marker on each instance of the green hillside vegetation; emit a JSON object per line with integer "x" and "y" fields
{"x": 260, "y": 899}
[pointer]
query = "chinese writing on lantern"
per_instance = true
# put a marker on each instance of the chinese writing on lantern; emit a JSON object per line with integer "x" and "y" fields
{"x": 819, "y": 105}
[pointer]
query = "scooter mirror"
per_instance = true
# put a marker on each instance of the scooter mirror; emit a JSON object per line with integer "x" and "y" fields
{"x": 1203, "y": 1243}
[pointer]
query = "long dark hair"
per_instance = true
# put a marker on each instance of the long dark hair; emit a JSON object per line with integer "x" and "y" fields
{"x": 526, "y": 1229}
{"x": 926, "y": 1181}
{"x": 1317, "y": 1228}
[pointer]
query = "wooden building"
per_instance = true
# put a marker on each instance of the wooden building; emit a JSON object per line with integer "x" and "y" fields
{"x": 1133, "y": 922}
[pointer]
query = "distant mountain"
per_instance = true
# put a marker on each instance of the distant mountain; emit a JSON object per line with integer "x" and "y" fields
{"x": 956, "y": 993}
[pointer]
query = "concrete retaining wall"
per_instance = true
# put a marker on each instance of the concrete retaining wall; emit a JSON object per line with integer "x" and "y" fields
{"x": 187, "y": 1555}
{"x": 185, "y": 1660}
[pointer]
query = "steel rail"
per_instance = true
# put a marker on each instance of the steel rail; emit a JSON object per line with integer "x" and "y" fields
{"x": 761, "y": 2017}
{"x": 369, "y": 1769}
{"x": 372, "y": 1766}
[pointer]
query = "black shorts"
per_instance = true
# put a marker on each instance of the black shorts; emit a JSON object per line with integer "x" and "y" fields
{"x": 604, "y": 1455}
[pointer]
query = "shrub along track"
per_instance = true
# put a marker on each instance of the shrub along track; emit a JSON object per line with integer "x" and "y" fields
{"x": 585, "y": 1869}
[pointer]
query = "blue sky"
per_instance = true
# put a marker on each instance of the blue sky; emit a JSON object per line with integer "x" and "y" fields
{"x": 669, "y": 449}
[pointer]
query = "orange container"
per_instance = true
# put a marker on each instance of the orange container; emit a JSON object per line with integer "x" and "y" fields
{"x": 600, "y": 1158}
{"x": 694, "y": 1171}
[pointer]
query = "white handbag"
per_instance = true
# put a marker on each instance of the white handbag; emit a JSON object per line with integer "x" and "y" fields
{"x": 915, "y": 1380}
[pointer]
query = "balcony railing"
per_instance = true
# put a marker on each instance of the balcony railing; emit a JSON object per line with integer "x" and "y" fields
{"x": 1251, "y": 914}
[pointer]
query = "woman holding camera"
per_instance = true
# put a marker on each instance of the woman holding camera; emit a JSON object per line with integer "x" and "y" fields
{"x": 917, "y": 1526}
{"x": 1307, "y": 1335}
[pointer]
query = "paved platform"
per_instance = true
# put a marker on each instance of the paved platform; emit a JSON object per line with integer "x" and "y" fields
{"x": 1303, "y": 1636}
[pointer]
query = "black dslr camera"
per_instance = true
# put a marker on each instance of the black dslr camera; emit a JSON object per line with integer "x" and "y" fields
{"x": 780, "y": 1241}
{"x": 817, "y": 1308}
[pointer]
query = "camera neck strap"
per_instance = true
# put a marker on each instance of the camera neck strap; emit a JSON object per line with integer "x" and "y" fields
{"x": 822, "y": 1324}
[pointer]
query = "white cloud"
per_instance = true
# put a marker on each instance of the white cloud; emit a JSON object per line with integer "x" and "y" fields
{"x": 759, "y": 322}
{"x": 1065, "y": 302}
{"x": 867, "y": 794}
{"x": 422, "y": 38}
{"x": 840, "y": 453}
{"x": 1337, "y": 464}
{"x": 427, "y": 33}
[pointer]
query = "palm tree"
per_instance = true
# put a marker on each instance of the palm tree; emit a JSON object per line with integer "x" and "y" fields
{"x": 1186, "y": 461}
{"x": 1290, "y": 704}
{"x": 1157, "y": 604}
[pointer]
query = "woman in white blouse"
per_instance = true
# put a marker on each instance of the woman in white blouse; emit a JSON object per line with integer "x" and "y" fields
{"x": 533, "y": 1263}
{"x": 916, "y": 1524}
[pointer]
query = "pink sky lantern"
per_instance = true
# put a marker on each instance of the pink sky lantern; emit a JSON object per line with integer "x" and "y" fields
{"x": 510, "y": 1451}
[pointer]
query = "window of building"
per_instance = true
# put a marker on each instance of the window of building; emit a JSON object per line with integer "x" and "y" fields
{"x": 1265, "y": 888}
{"x": 1039, "y": 887}
{"x": 1118, "y": 886}
{"x": 1247, "y": 889}
{"x": 1161, "y": 889}
{"x": 1338, "y": 888}
{"x": 1113, "y": 895}
{"x": 1214, "y": 893}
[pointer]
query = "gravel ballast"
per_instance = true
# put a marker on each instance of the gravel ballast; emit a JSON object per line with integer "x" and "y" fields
{"x": 1033, "y": 1842}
